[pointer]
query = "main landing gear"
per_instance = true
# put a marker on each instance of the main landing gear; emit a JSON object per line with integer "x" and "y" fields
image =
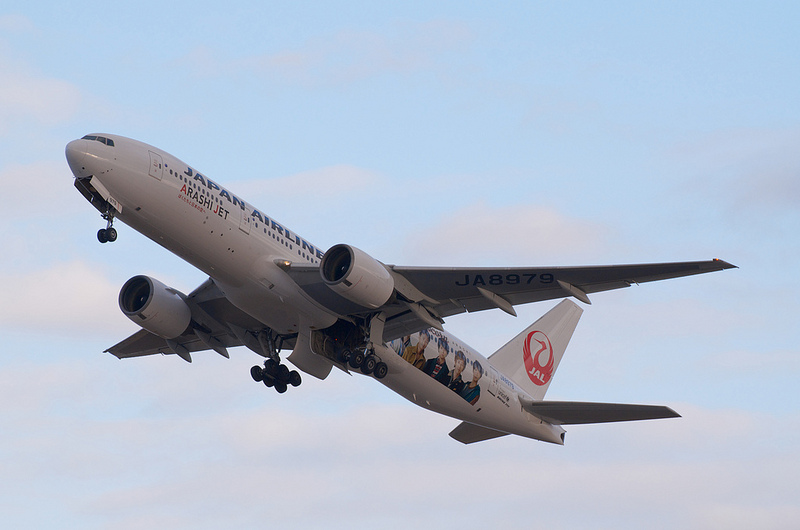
{"x": 109, "y": 233}
{"x": 275, "y": 374}
{"x": 366, "y": 361}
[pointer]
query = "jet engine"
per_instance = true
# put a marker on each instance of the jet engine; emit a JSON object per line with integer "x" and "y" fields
{"x": 159, "y": 309}
{"x": 357, "y": 276}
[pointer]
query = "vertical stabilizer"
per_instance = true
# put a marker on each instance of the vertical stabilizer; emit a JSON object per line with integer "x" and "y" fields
{"x": 531, "y": 358}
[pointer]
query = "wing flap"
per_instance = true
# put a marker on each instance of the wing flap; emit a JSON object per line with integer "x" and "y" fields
{"x": 139, "y": 344}
{"x": 578, "y": 412}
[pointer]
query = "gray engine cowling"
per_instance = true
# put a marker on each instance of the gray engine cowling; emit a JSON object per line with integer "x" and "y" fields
{"x": 357, "y": 276}
{"x": 159, "y": 309}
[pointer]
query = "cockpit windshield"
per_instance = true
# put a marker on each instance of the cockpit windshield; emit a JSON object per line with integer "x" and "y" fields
{"x": 102, "y": 139}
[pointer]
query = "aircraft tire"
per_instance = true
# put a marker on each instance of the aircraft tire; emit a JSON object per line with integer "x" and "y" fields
{"x": 283, "y": 373}
{"x": 271, "y": 368}
{"x": 368, "y": 366}
{"x": 268, "y": 381}
{"x": 294, "y": 378}
{"x": 344, "y": 356}
{"x": 280, "y": 386}
{"x": 102, "y": 236}
{"x": 111, "y": 234}
{"x": 257, "y": 374}
{"x": 381, "y": 369}
{"x": 356, "y": 359}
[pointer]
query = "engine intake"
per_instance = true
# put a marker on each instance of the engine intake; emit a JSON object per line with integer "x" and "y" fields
{"x": 159, "y": 309}
{"x": 357, "y": 276}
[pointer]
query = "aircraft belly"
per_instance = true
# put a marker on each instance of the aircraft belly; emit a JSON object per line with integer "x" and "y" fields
{"x": 268, "y": 294}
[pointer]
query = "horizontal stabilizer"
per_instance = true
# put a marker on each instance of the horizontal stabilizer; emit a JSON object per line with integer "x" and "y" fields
{"x": 468, "y": 433}
{"x": 577, "y": 412}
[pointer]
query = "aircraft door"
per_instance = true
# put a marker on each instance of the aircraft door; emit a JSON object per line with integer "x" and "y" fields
{"x": 492, "y": 381}
{"x": 156, "y": 165}
{"x": 245, "y": 221}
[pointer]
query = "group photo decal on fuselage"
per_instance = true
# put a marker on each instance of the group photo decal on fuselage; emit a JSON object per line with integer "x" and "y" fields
{"x": 431, "y": 352}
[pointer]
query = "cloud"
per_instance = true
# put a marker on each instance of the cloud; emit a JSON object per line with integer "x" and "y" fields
{"x": 344, "y": 57}
{"x": 771, "y": 363}
{"x": 356, "y": 55}
{"x": 775, "y": 185}
{"x": 26, "y": 96}
{"x": 33, "y": 103}
{"x": 51, "y": 181}
{"x": 70, "y": 297}
{"x": 754, "y": 170}
{"x": 480, "y": 234}
{"x": 162, "y": 442}
{"x": 16, "y": 23}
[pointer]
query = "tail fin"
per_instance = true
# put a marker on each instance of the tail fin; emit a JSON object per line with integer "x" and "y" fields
{"x": 531, "y": 358}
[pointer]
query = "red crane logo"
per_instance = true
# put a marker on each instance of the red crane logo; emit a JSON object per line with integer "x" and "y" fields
{"x": 540, "y": 364}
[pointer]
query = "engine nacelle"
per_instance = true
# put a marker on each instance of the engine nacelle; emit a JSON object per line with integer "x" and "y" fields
{"x": 357, "y": 276}
{"x": 155, "y": 307}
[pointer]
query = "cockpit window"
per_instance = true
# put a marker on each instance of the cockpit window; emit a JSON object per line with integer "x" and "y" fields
{"x": 102, "y": 139}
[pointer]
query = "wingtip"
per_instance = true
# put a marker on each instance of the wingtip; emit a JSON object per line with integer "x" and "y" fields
{"x": 725, "y": 265}
{"x": 112, "y": 353}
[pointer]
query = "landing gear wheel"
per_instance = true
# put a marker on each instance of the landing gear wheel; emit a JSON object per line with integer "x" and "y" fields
{"x": 345, "y": 355}
{"x": 283, "y": 373}
{"x": 257, "y": 373}
{"x": 381, "y": 369}
{"x": 369, "y": 364}
{"x": 271, "y": 368}
{"x": 268, "y": 381}
{"x": 280, "y": 386}
{"x": 294, "y": 378}
{"x": 356, "y": 359}
{"x": 107, "y": 234}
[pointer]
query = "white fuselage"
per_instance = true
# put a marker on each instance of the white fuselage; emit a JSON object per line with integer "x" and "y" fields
{"x": 238, "y": 245}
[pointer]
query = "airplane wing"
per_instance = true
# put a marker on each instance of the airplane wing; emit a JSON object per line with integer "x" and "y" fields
{"x": 427, "y": 295}
{"x": 215, "y": 322}
{"x": 466, "y": 287}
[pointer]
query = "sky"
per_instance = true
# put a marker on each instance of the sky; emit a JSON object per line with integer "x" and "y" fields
{"x": 430, "y": 134}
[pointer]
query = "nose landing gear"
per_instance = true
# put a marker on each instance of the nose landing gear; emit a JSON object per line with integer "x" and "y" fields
{"x": 109, "y": 233}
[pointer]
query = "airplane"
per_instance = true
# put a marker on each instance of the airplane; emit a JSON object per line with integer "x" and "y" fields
{"x": 269, "y": 289}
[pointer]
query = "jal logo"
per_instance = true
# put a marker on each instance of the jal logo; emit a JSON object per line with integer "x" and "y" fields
{"x": 537, "y": 352}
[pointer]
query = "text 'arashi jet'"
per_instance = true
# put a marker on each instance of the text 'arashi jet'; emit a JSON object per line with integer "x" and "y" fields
{"x": 270, "y": 289}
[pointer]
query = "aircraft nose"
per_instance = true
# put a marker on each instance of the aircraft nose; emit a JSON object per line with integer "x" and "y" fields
{"x": 76, "y": 154}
